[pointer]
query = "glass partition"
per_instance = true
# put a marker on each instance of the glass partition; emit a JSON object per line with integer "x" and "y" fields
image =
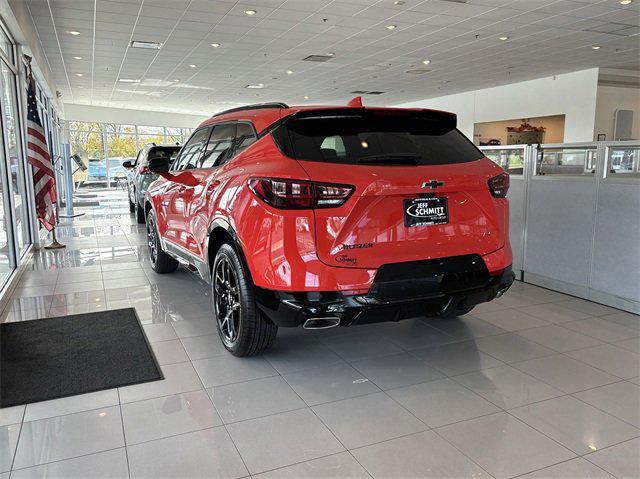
{"x": 510, "y": 160}
{"x": 16, "y": 171}
{"x": 86, "y": 142}
{"x": 566, "y": 161}
{"x": 623, "y": 161}
{"x": 103, "y": 147}
{"x": 121, "y": 146}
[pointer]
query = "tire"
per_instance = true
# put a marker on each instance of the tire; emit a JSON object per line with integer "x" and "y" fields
{"x": 453, "y": 312}
{"x": 139, "y": 213}
{"x": 132, "y": 207}
{"x": 243, "y": 328}
{"x": 161, "y": 262}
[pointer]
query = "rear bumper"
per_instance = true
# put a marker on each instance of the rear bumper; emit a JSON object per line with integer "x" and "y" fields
{"x": 291, "y": 309}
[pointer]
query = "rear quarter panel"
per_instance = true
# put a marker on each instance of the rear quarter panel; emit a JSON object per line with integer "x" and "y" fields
{"x": 279, "y": 245}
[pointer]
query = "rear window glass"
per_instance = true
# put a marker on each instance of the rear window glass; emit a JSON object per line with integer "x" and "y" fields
{"x": 377, "y": 137}
{"x": 161, "y": 152}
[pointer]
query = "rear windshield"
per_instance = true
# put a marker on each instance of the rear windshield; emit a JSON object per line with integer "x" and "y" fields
{"x": 384, "y": 137}
{"x": 162, "y": 151}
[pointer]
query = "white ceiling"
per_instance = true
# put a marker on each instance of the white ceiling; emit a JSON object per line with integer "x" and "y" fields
{"x": 461, "y": 40}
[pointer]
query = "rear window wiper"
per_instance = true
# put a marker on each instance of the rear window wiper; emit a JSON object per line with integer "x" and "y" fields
{"x": 397, "y": 158}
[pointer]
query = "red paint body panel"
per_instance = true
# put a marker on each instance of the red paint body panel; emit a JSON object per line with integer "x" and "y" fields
{"x": 302, "y": 250}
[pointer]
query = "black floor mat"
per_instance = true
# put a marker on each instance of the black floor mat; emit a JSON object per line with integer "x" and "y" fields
{"x": 57, "y": 357}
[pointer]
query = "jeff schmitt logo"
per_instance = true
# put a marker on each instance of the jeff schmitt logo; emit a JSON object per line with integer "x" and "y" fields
{"x": 421, "y": 210}
{"x": 432, "y": 184}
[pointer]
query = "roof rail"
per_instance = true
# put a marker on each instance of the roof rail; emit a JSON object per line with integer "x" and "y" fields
{"x": 257, "y": 106}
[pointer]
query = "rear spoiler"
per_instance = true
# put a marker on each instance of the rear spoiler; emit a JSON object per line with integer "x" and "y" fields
{"x": 446, "y": 121}
{"x": 445, "y": 115}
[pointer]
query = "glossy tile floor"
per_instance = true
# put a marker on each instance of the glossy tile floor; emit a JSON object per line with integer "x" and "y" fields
{"x": 536, "y": 384}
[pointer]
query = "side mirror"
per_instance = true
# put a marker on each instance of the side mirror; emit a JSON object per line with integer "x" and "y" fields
{"x": 127, "y": 164}
{"x": 159, "y": 164}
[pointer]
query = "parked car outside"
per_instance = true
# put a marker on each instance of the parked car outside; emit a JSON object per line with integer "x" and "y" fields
{"x": 331, "y": 216}
{"x": 139, "y": 177}
{"x": 97, "y": 170}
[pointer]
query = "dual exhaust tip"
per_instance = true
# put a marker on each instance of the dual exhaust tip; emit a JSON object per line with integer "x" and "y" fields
{"x": 321, "y": 323}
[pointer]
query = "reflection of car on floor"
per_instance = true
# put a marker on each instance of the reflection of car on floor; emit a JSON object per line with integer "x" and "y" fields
{"x": 139, "y": 177}
{"x": 97, "y": 170}
{"x": 331, "y": 216}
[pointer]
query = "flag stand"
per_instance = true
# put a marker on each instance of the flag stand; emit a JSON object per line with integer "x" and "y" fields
{"x": 54, "y": 242}
{"x": 39, "y": 158}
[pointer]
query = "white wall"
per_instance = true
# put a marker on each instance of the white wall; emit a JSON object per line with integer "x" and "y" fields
{"x": 610, "y": 99}
{"x": 570, "y": 94}
{"x": 130, "y": 117}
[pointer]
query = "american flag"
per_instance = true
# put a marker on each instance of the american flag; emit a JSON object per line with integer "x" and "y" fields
{"x": 39, "y": 158}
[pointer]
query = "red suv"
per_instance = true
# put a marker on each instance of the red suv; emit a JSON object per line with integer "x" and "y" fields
{"x": 331, "y": 216}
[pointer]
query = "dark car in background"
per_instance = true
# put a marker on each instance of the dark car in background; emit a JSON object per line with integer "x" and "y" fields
{"x": 139, "y": 177}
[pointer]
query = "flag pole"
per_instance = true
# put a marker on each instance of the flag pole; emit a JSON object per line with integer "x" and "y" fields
{"x": 55, "y": 244}
{"x": 54, "y": 241}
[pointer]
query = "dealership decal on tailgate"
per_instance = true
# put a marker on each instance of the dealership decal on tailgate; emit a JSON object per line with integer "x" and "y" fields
{"x": 425, "y": 211}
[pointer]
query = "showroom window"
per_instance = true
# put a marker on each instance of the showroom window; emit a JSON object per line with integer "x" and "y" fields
{"x": 103, "y": 147}
{"x": 15, "y": 220}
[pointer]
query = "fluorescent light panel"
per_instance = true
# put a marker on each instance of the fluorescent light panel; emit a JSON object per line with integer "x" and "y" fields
{"x": 146, "y": 45}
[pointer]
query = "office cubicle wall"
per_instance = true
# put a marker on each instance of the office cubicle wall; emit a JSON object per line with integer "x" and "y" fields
{"x": 575, "y": 219}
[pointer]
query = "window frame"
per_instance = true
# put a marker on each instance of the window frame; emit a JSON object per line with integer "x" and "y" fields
{"x": 176, "y": 163}
{"x": 234, "y": 150}
{"x": 233, "y": 143}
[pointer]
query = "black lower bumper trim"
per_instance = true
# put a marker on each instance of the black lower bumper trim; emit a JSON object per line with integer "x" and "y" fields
{"x": 291, "y": 309}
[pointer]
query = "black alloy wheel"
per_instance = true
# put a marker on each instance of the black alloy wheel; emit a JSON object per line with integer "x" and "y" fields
{"x": 227, "y": 301}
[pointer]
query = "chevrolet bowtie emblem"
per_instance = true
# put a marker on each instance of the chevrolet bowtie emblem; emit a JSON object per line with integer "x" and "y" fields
{"x": 432, "y": 184}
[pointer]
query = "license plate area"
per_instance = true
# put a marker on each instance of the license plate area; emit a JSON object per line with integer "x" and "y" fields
{"x": 426, "y": 211}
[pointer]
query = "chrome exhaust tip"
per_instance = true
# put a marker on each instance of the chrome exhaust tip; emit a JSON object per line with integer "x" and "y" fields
{"x": 502, "y": 291}
{"x": 321, "y": 323}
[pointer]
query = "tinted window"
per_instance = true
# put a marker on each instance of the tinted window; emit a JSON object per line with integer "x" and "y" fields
{"x": 220, "y": 145}
{"x": 245, "y": 136}
{"x": 161, "y": 151}
{"x": 378, "y": 137}
{"x": 191, "y": 151}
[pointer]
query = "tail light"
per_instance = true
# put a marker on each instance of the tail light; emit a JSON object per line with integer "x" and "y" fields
{"x": 143, "y": 170}
{"x": 299, "y": 194}
{"x": 499, "y": 185}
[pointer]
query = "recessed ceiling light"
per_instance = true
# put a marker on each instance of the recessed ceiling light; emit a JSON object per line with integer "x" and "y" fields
{"x": 79, "y": 74}
{"x": 128, "y": 80}
{"x": 399, "y": 2}
{"x": 255, "y": 86}
{"x": 176, "y": 80}
{"x": 250, "y": 12}
{"x": 331, "y": 54}
{"x": 73, "y": 32}
{"x": 289, "y": 72}
{"x": 596, "y": 47}
{"x": 306, "y": 97}
{"x": 625, "y": 2}
{"x": 215, "y": 45}
{"x": 503, "y": 38}
{"x": 192, "y": 66}
{"x": 390, "y": 27}
{"x": 426, "y": 62}
{"x": 146, "y": 45}
{"x": 77, "y": 58}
